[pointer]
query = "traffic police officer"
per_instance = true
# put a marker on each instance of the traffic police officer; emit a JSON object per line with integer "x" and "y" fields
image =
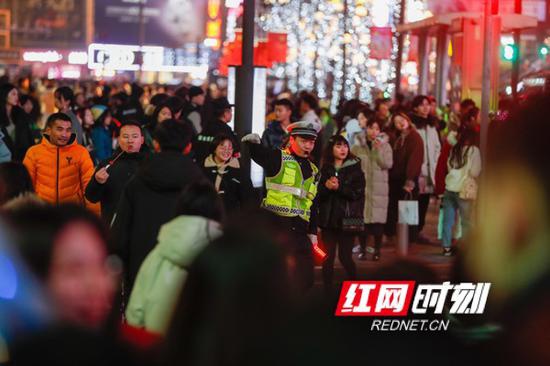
{"x": 291, "y": 187}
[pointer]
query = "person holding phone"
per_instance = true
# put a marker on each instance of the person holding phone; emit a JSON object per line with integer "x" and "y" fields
{"x": 112, "y": 174}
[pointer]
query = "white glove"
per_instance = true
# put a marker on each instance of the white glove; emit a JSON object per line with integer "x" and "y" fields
{"x": 313, "y": 239}
{"x": 253, "y": 138}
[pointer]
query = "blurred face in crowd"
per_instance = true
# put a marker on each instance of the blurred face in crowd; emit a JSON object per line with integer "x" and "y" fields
{"x": 79, "y": 281}
{"x": 61, "y": 103}
{"x": 88, "y": 118}
{"x": 130, "y": 139}
{"x": 464, "y": 110}
{"x": 383, "y": 111}
{"x": 227, "y": 115}
{"x": 401, "y": 123}
{"x": 224, "y": 151}
{"x": 373, "y": 131}
{"x": 27, "y": 107}
{"x": 302, "y": 146}
{"x": 198, "y": 99}
{"x": 304, "y": 107}
{"x": 340, "y": 150}
{"x": 282, "y": 113}
{"x": 13, "y": 98}
{"x": 423, "y": 110}
{"x": 60, "y": 132}
{"x": 362, "y": 120}
{"x": 164, "y": 114}
{"x": 108, "y": 120}
{"x": 80, "y": 100}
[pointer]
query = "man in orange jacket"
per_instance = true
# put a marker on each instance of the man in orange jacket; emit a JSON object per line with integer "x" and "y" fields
{"x": 60, "y": 169}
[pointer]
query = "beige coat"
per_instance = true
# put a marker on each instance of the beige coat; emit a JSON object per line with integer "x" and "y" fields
{"x": 375, "y": 164}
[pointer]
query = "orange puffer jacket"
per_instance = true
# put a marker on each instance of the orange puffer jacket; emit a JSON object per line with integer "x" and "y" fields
{"x": 60, "y": 174}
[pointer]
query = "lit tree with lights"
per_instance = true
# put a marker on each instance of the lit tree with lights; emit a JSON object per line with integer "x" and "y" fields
{"x": 329, "y": 45}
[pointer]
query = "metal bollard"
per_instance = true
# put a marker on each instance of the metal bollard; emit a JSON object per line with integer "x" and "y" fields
{"x": 402, "y": 239}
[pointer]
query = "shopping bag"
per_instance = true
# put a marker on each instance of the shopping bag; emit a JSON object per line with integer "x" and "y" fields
{"x": 408, "y": 211}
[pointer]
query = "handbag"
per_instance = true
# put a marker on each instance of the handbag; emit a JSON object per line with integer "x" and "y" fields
{"x": 469, "y": 189}
{"x": 408, "y": 211}
{"x": 352, "y": 224}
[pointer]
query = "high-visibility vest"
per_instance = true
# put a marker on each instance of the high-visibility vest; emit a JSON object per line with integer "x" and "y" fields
{"x": 288, "y": 194}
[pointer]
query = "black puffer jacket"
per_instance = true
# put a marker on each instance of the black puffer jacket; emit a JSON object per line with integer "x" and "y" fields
{"x": 148, "y": 202}
{"x": 349, "y": 197}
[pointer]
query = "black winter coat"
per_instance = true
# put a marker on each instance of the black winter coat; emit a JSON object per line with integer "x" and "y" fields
{"x": 109, "y": 193}
{"x": 148, "y": 202}
{"x": 234, "y": 187}
{"x": 23, "y": 134}
{"x": 350, "y": 195}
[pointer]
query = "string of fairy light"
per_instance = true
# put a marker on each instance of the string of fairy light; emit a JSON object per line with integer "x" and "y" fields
{"x": 329, "y": 46}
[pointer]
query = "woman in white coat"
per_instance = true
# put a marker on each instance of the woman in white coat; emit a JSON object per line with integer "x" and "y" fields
{"x": 376, "y": 156}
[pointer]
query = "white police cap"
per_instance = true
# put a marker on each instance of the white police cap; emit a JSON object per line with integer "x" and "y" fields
{"x": 304, "y": 129}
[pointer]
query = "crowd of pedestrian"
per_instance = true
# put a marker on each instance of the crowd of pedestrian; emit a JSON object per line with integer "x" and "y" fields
{"x": 137, "y": 228}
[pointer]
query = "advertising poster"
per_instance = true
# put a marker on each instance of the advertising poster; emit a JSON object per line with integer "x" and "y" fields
{"x": 167, "y": 23}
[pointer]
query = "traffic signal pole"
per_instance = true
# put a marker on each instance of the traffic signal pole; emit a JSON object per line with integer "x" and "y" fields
{"x": 244, "y": 83}
{"x": 516, "y": 60}
{"x": 491, "y": 9}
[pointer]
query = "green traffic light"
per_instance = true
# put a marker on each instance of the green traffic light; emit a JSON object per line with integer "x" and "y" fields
{"x": 509, "y": 52}
{"x": 543, "y": 51}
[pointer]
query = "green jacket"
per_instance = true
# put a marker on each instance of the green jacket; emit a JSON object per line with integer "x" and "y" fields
{"x": 163, "y": 273}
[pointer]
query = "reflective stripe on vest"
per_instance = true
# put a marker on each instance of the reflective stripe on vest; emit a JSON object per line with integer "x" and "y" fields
{"x": 292, "y": 190}
{"x": 288, "y": 194}
{"x": 285, "y": 211}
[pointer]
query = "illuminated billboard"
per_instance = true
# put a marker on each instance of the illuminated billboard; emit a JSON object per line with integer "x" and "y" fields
{"x": 42, "y": 23}
{"x": 167, "y": 23}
